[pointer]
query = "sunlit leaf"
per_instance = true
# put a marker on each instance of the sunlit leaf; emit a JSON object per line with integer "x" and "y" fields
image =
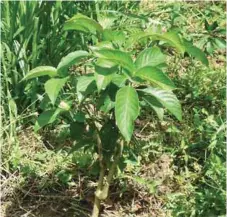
{"x": 84, "y": 85}
{"x": 167, "y": 99}
{"x": 126, "y": 110}
{"x": 82, "y": 23}
{"x": 41, "y": 71}
{"x": 155, "y": 105}
{"x": 119, "y": 57}
{"x": 53, "y": 87}
{"x": 171, "y": 38}
{"x": 155, "y": 76}
{"x": 150, "y": 57}
{"x": 71, "y": 59}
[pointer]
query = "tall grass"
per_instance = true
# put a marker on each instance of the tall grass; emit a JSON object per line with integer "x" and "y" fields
{"x": 31, "y": 35}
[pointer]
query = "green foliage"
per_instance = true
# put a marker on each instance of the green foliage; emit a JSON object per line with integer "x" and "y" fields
{"x": 45, "y": 118}
{"x": 126, "y": 110}
{"x": 196, "y": 52}
{"x": 119, "y": 57}
{"x": 111, "y": 61}
{"x": 41, "y": 71}
{"x": 69, "y": 60}
{"x": 112, "y": 76}
{"x": 167, "y": 99}
{"x": 150, "y": 57}
{"x": 155, "y": 76}
{"x": 82, "y": 23}
{"x": 53, "y": 87}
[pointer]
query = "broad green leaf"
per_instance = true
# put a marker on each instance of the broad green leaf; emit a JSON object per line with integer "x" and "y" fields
{"x": 104, "y": 63}
{"x": 126, "y": 110}
{"x": 83, "y": 23}
{"x": 84, "y": 83}
{"x": 71, "y": 59}
{"x": 167, "y": 99}
{"x": 46, "y": 118}
{"x": 156, "y": 105}
{"x": 119, "y": 80}
{"x": 114, "y": 36}
{"x": 220, "y": 43}
{"x": 155, "y": 76}
{"x": 196, "y": 52}
{"x": 210, "y": 47}
{"x": 105, "y": 67}
{"x": 53, "y": 87}
{"x": 102, "y": 44}
{"x": 102, "y": 81}
{"x": 150, "y": 57}
{"x": 172, "y": 38}
{"x": 41, "y": 71}
{"x": 103, "y": 76}
{"x": 119, "y": 57}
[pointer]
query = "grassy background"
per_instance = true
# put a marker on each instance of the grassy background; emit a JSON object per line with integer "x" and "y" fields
{"x": 173, "y": 169}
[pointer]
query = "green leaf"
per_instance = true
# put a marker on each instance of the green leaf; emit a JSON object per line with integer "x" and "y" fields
{"x": 220, "y": 43}
{"x": 84, "y": 85}
{"x": 126, "y": 110}
{"x": 114, "y": 36}
{"x": 105, "y": 67}
{"x": 167, "y": 99}
{"x": 102, "y": 44}
{"x": 105, "y": 104}
{"x": 172, "y": 38}
{"x": 41, "y": 71}
{"x": 119, "y": 80}
{"x": 104, "y": 63}
{"x": 210, "y": 47}
{"x": 83, "y": 82}
{"x": 119, "y": 57}
{"x": 102, "y": 81}
{"x": 150, "y": 57}
{"x": 196, "y": 52}
{"x": 71, "y": 59}
{"x": 83, "y": 23}
{"x": 103, "y": 77}
{"x": 155, "y": 105}
{"x": 155, "y": 76}
{"x": 53, "y": 87}
{"x": 46, "y": 118}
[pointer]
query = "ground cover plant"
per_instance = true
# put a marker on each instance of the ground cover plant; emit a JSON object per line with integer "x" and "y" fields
{"x": 114, "y": 114}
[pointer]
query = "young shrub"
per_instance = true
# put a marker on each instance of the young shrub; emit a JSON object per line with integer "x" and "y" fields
{"x": 109, "y": 97}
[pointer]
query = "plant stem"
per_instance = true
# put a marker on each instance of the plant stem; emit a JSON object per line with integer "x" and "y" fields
{"x": 96, "y": 208}
{"x": 117, "y": 156}
{"x": 102, "y": 192}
